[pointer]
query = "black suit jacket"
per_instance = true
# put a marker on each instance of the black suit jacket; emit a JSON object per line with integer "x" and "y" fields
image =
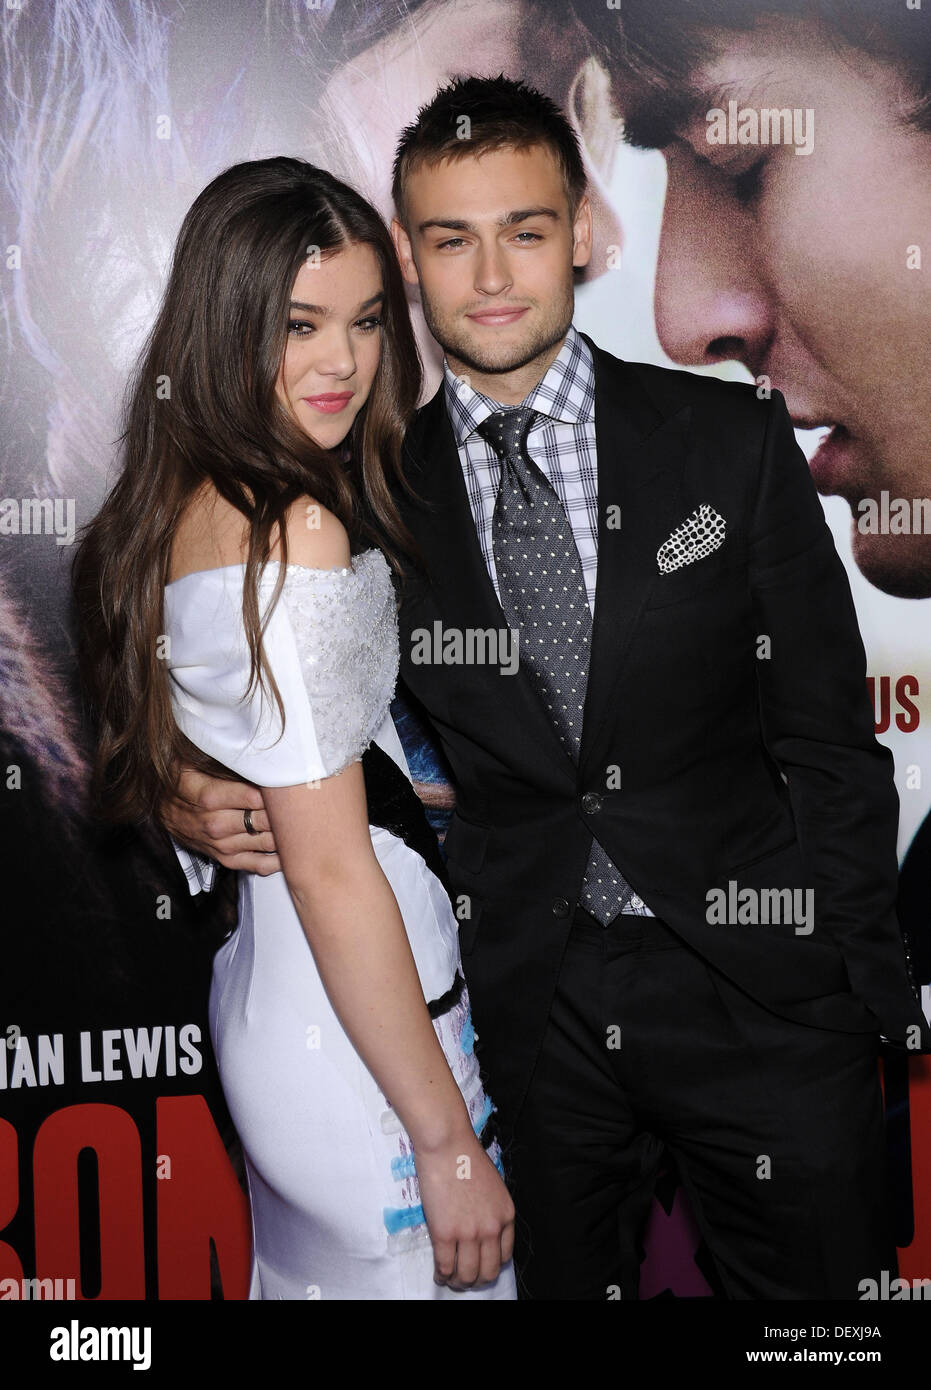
{"x": 686, "y": 710}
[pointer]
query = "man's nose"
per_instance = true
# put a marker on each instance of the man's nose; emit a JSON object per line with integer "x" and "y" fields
{"x": 710, "y": 303}
{"x": 492, "y": 274}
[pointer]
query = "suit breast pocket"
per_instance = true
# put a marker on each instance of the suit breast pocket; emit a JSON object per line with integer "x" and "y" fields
{"x": 690, "y": 581}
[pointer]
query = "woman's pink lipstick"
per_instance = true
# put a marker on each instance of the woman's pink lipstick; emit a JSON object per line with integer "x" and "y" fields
{"x": 331, "y": 402}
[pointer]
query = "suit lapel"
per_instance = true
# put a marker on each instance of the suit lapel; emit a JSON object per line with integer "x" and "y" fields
{"x": 445, "y": 529}
{"x": 457, "y": 573}
{"x": 641, "y": 451}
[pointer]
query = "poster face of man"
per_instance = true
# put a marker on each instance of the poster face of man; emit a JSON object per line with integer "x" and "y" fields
{"x": 802, "y": 258}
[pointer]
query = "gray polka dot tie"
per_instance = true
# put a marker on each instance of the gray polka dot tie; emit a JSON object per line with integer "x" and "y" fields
{"x": 542, "y": 592}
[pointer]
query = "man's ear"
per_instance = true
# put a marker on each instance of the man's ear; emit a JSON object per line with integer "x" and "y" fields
{"x": 582, "y": 232}
{"x": 402, "y": 245}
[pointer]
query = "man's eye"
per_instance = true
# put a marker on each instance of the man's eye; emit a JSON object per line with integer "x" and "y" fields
{"x": 748, "y": 184}
{"x": 534, "y": 236}
{"x": 453, "y": 241}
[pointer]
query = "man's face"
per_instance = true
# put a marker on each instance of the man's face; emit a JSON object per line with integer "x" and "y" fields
{"x": 367, "y": 102}
{"x": 797, "y": 265}
{"x": 492, "y": 246}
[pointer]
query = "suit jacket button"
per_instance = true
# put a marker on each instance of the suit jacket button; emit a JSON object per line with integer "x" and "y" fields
{"x": 591, "y": 803}
{"x": 560, "y": 908}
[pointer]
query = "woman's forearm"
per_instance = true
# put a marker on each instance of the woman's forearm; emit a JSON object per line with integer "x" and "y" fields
{"x": 354, "y": 927}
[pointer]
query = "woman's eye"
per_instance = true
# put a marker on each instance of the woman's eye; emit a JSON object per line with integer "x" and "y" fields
{"x": 301, "y": 329}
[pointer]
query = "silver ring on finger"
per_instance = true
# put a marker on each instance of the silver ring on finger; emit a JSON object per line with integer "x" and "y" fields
{"x": 247, "y": 822}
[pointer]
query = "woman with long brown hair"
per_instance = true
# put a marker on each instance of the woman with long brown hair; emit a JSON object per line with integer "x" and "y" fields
{"x": 236, "y": 595}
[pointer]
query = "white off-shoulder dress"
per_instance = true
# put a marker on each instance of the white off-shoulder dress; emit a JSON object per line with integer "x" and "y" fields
{"x": 336, "y": 1209}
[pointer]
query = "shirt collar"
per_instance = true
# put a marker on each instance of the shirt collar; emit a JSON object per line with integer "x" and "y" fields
{"x": 566, "y": 392}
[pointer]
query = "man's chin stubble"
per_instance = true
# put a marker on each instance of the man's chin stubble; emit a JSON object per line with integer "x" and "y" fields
{"x": 521, "y": 356}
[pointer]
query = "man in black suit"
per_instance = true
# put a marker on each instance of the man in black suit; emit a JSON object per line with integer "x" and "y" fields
{"x": 673, "y": 853}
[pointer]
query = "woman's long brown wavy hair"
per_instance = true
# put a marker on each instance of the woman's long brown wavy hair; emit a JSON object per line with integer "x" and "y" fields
{"x": 201, "y": 406}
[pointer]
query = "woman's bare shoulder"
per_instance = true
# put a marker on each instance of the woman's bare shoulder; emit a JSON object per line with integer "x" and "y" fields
{"x": 212, "y": 533}
{"x": 316, "y": 536}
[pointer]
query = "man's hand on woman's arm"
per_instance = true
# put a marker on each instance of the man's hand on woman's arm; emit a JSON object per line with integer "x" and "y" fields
{"x": 213, "y": 824}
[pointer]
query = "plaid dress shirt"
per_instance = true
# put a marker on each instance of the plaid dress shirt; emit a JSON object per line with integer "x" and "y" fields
{"x": 562, "y": 446}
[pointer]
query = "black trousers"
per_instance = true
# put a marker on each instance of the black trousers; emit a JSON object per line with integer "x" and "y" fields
{"x": 776, "y": 1129}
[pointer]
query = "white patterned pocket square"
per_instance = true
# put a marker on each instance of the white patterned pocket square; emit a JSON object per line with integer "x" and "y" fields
{"x": 698, "y": 536}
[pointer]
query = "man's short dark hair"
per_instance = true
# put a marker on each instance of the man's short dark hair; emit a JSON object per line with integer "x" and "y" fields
{"x": 501, "y": 113}
{"x": 654, "y": 49}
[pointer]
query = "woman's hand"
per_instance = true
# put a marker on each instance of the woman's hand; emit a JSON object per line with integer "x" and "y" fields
{"x": 214, "y": 825}
{"x": 469, "y": 1213}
